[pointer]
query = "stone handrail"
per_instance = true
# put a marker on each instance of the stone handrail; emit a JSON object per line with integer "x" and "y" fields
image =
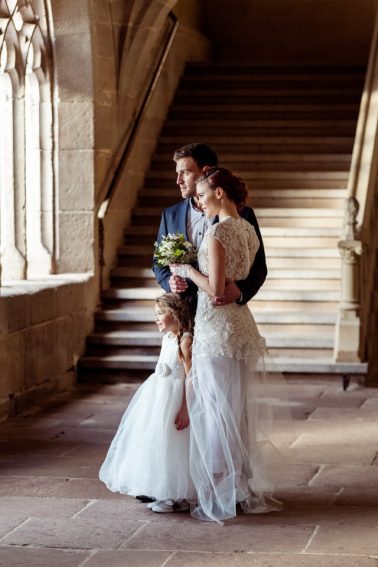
{"x": 359, "y": 223}
{"x": 125, "y": 148}
{"x": 118, "y": 163}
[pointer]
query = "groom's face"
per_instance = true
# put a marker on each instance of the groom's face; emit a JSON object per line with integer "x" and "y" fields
{"x": 187, "y": 172}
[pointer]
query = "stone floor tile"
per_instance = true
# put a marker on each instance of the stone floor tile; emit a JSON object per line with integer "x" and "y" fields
{"x": 339, "y": 401}
{"x": 346, "y": 476}
{"x": 11, "y": 556}
{"x": 98, "y": 436}
{"x": 88, "y": 488}
{"x": 105, "y": 417}
{"x": 69, "y": 467}
{"x": 298, "y": 475}
{"x": 200, "y": 536}
{"x": 338, "y": 443}
{"x": 71, "y": 534}
{"x": 27, "y": 447}
{"x": 348, "y": 538}
{"x": 128, "y": 508}
{"x": 306, "y": 496}
{"x": 29, "y": 485}
{"x": 357, "y": 496}
{"x": 10, "y": 521}
{"x": 183, "y": 559}
{"x": 41, "y": 507}
{"x": 370, "y": 404}
{"x": 344, "y": 414}
{"x": 129, "y": 558}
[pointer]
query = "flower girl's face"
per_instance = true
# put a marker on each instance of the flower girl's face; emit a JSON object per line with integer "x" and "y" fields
{"x": 165, "y": 320}
{"x": 207, "y": 199}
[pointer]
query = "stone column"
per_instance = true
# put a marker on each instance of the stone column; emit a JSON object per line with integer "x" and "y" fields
{"x": 347, "y": 341}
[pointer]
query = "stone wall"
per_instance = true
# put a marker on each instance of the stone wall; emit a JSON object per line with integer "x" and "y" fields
{"x": 42, "y": 332}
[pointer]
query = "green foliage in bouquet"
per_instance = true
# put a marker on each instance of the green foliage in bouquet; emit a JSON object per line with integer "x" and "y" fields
{"x": 174, "y": 249}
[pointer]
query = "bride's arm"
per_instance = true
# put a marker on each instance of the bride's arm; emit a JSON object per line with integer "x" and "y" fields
{"x": 214, "y": 283}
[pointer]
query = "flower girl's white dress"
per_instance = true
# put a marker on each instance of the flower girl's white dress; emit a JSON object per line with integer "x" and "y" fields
{"x": 148, "y": 455}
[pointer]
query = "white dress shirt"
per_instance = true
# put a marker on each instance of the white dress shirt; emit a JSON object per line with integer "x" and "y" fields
{"x": 196, "y": 225}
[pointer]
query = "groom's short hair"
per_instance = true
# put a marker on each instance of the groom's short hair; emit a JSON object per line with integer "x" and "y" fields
{"x": 202, "y": 154}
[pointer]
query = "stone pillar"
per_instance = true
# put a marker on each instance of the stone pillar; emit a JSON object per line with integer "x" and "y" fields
{"x": 347, "y": 341}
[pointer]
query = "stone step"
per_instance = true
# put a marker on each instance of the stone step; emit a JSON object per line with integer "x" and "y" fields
{"x": 274, "y": 91}
{"x": 265, "y": 201}
{"x": 237, "y": 130}
{"x": 276, "y": 280}
{"x": 279, "y": 363}
{"x": 132, "y": 272}
{"x": 155, "y": 194}
{"x": 150, "y": 338}
{"x": 164, "y": 159}
{"x": 283, "y": 222}
{"x": 257, "y": 122}
{"x": 263, "y": 183}
{"x": 120, "y": 361}
{"x": 146, "y": 252}
{"x": 309, "y": 290}
{"x": 199, "y": 71}
{"x": 194, "y": 101}
{"x": 311, "y": 141}
{"x": 300, "y": 317}
{"x": 292, "y": 244}
{"x": 261, "y": 212}
{"x": 302, "y": 273}
{"x": 248, "y": 174}
{"x": 304, "y": 264}
{"x": 315, "y": 366}
{"x": 183, "y": 108}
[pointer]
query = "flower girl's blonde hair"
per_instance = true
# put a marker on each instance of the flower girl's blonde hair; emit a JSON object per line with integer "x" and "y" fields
{"x": 181, "y": 310}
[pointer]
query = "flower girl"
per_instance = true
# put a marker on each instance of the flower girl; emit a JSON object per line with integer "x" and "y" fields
{"x": 150, "y": 451}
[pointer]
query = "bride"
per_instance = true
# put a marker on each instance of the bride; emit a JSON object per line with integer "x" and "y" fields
{"x": 228, "y": 413}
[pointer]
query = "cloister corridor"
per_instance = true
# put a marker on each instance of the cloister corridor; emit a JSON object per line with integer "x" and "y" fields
{"x": 55, "y": 511}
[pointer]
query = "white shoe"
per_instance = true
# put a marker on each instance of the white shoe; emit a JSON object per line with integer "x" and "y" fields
{"x": 169, "y": 506}
{"x": 150, "y": 505}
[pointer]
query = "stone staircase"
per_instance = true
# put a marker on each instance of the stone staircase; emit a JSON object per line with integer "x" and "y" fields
{"x": 289, "y": 132}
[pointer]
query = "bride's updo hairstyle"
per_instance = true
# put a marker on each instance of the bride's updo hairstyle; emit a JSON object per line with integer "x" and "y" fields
{"x": 234, "y": 186}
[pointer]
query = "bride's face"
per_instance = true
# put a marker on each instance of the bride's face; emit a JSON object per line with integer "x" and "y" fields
{"x": 165, "y": 321}
{"x": 208, "y": 200}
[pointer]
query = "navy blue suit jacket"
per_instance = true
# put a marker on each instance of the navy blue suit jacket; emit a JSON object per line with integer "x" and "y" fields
{"x": 173, "y": 220}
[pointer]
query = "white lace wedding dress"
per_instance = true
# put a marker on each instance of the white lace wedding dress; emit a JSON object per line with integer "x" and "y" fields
{"x": 229, "y": 415}
{"x": 148, "y": 455}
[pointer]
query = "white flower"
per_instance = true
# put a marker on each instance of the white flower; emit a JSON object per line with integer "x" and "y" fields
{"x": 162, "y": 369}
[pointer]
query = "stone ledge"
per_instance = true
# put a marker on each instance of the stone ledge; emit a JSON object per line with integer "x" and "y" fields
{"x": 35, "y": 285}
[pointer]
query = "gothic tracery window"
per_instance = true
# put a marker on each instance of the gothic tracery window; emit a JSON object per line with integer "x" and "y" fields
{"x": 26, "y": 141}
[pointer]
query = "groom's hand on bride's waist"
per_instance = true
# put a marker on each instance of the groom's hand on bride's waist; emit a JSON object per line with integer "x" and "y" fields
{"x": 231, "y": 294}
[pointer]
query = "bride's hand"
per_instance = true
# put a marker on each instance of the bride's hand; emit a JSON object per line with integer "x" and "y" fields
{"x": 182, "y": 270}
{"x": 182, "y": 418}
{"x": 231, "y": 294}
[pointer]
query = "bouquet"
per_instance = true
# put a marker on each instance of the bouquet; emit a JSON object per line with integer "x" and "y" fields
{"x": 174, "y": 249}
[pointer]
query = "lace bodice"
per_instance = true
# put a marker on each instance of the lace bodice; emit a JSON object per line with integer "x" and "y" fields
{"x": 169, "y": 364}
{"x": 240, "y": 243}
{"x": 228, "y": 330}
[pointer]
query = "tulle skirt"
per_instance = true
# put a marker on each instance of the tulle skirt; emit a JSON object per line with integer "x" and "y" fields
{"x": 148, "y": 455}
{"x": 230, "y": 449}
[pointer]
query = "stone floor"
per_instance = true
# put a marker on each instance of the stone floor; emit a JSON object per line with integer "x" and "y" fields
{"x": 54, "y": 512}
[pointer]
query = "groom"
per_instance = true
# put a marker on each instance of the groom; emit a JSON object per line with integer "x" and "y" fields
{"x": 187, "y": 218}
